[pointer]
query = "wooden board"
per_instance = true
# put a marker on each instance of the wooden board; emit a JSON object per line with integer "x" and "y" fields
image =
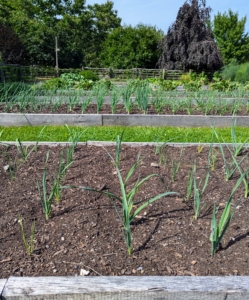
{"x": 127, "y": 288}
{"x": 2, "y": 284}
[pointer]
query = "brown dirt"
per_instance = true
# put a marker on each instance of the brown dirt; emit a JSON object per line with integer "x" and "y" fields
{"x": 106, "y": 109}
{"x": 84, "y": 231}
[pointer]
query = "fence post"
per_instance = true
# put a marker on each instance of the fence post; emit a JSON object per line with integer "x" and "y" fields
{"x": 163, "y": 73}
{"x": 1, "y": 73}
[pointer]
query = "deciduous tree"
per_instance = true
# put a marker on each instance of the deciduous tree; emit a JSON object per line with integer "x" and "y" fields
{"x": 189, "y": 43}
{"x": 131, "y": 47}
{"x": 230, "y": 36}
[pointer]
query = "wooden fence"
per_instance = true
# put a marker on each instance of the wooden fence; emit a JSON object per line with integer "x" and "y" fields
{"x": 10, "y": 73}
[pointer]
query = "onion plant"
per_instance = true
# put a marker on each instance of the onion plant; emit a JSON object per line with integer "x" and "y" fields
{"x": 29, "y": 246}
{"x": 219, "y": 230}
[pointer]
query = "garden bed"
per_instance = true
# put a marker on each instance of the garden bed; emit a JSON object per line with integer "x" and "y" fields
{"x": 84, "y": 231}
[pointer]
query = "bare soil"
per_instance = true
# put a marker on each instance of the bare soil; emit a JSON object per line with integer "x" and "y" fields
{"x": 106, "y": 109}
{"x": 84, "y": 231}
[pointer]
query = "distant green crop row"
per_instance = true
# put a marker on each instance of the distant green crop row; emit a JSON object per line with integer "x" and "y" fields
{"x": 132, "y": 134}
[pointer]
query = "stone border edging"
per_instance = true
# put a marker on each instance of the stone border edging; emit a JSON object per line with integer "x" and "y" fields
{"x": 11, "y": 119}
{"x": 131, "y": 144}
{"x": 125, "y": 287}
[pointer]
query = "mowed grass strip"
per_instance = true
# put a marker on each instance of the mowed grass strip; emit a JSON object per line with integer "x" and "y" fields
{"x": 131, "y": 134}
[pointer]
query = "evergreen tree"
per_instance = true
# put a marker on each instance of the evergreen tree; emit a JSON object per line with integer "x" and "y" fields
{"x": 189, "y": 43}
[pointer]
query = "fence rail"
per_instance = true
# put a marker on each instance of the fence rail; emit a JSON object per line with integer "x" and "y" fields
{"x": 10, "y": 73}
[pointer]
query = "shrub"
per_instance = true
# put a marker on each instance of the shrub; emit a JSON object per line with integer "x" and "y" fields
{"x": 89, "y": 75}
{"x": 229, "y": 71}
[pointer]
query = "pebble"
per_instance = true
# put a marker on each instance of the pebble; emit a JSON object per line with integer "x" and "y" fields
{"x": 6, "y": 168}
{"x": 54, "y": 271}
{"x": 84, "y": 272}
{"x": 62, "y": 238}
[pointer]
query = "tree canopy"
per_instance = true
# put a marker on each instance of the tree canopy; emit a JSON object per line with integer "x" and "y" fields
{"x": 79, "y": 29}
{"x": 131, "y": 47}
{"x": 189, "y": 43}
{"x": 11, "y": 48}
{"x": 230, "y": 36}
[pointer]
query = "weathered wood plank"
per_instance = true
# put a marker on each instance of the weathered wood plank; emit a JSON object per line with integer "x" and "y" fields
{"x": 127, "y": 288}
{"x": 2, "y": 284}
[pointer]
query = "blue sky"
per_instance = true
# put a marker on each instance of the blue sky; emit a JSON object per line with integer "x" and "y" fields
{"x": 162, "y": 13}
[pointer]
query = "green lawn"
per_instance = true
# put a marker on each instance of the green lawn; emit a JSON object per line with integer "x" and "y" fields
{"x": 132, "y": 134}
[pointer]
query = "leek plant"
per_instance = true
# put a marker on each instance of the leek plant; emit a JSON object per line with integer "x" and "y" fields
{"x": 126, "y": 94}
{"x": 190, "y": 182}
{"x": 73, "y": 101}
{"x": 25, "y": 150}
{"x": 28, "y": 246}
{"x": 12, "y": 165}
{"x": 46, "y": 201}
{"x": 142, "y": 96}
{"x": 230, "y": 169}
{"x": 115, "y": 97}
{"x": 128, "y": 212}
{"x": 238, "y": 148}
{"x": 198, "y": 195}
{"x": 100, "y": 91}
{"x": 176, "y": 165}
{"x": 218, "y": 231}
{"x": 158, "y": 100}
{"x": 85, "y": 103}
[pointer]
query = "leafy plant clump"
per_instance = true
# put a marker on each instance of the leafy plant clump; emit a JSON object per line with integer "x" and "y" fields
{"x": 69, "y": 80}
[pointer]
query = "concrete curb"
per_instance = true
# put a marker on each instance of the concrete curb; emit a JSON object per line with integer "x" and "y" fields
{"x": 131, "y": 144}
{"x": 11, "y": 119}
{"x": 127, "y": 288}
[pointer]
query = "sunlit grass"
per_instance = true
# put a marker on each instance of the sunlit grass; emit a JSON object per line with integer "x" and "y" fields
{"x": 131, "y": 134}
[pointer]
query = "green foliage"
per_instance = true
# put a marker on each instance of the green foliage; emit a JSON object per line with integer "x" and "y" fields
{"x": 89, "y": 75}
{"x": 132, "y": 134}
{"x": 236, "y": 72}
{"x": 230, "y": 36}
{"x": 131, "y": 47}
{"x": 67, "y": 80}
{"x": 80, "y": 29}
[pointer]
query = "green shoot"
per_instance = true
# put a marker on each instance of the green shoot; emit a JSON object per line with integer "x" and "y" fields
{"x": 237, "y": 147}
{"x": 28, "y": 246}
{"x": 175, "y": 166}
{"x": 12, "y": 166}
{"x": 229, "y": 169}
{"x": 218, "y": 231}
{"x": 127, "y": 213}
{"x": 198, "y": 194}
{"x": 199, "y": 148}
{"x": 46, "y": 201}
{"x": 190, "y": 182}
